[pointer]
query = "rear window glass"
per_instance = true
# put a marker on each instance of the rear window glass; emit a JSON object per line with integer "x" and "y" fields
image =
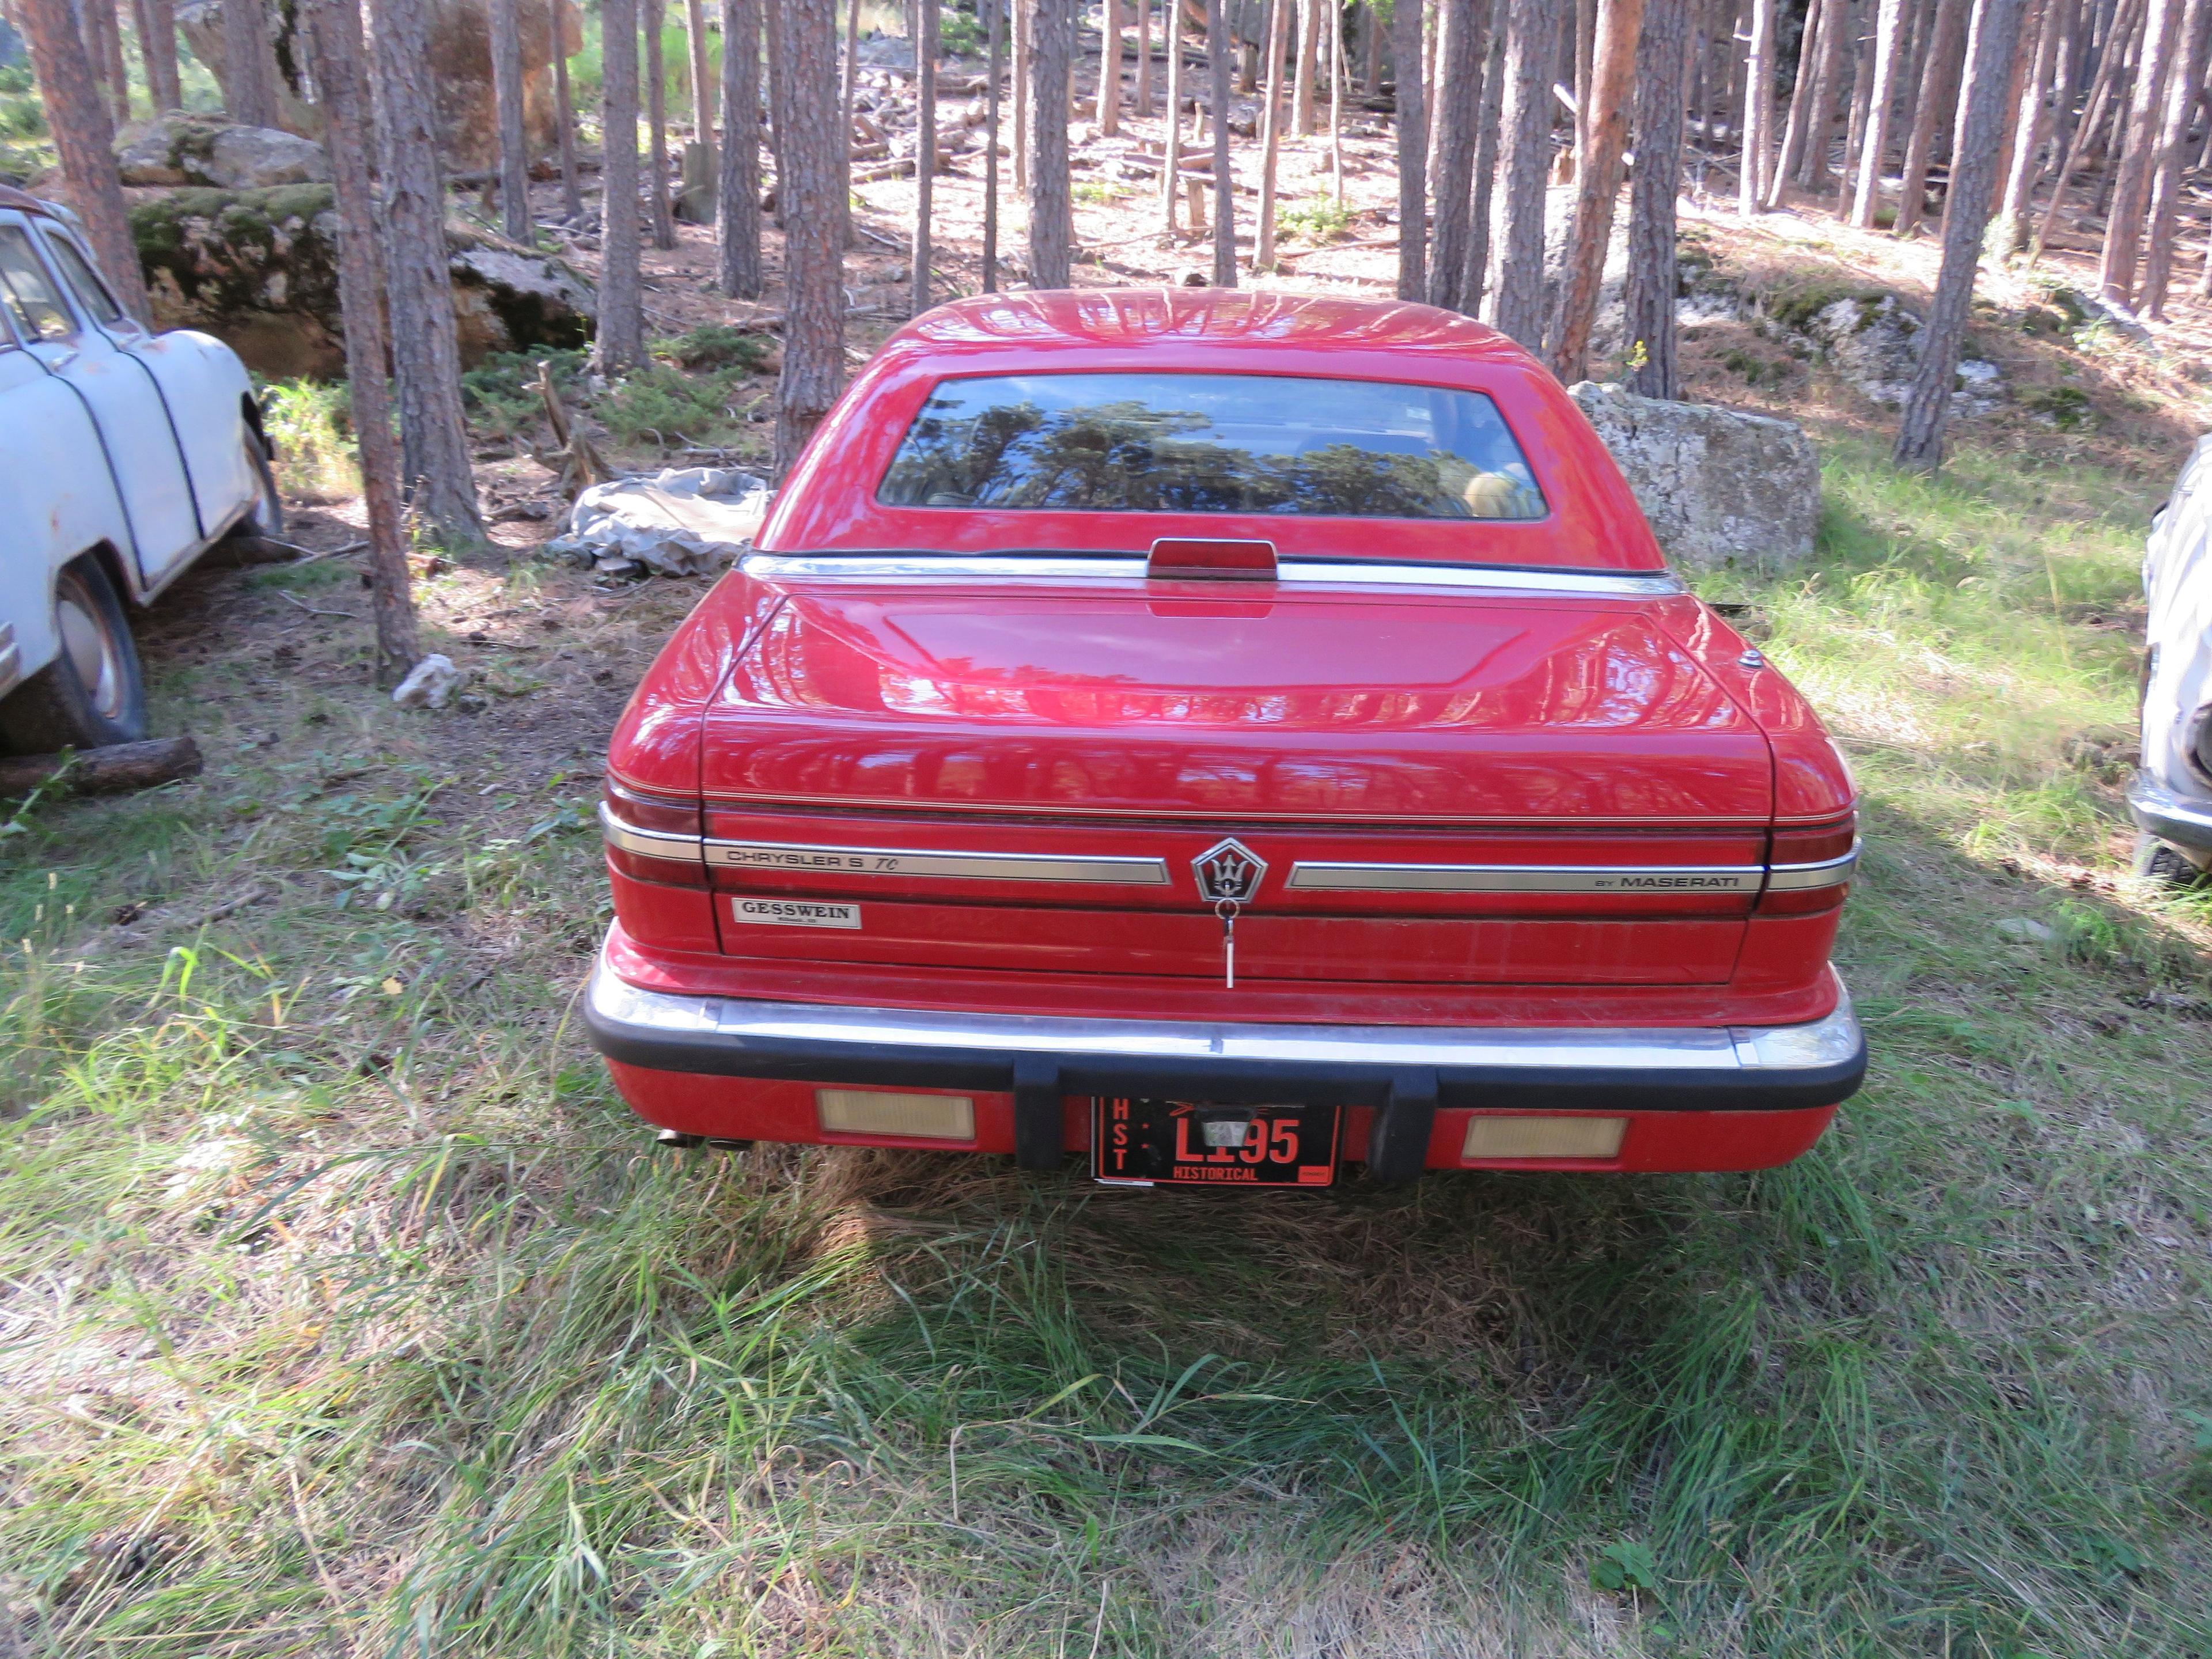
{"x": 26, "y": 291}
{"x": 92, "y": 293}
{"x": 1212, "y": 443}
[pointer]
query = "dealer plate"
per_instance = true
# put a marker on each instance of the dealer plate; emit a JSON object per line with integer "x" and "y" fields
{"x": 1181, "y": 1143}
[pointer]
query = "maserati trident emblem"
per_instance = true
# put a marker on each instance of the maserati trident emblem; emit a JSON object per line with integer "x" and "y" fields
{"x": 1230, "y": 871}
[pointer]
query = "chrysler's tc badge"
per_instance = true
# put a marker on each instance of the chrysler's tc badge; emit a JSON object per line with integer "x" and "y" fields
{"x": 1230, "y": 871}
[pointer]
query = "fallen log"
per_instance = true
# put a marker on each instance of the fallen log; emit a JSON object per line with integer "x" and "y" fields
{"x": 114, "y": 770}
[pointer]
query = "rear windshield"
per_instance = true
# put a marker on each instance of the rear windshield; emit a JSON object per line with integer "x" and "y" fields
{"x": 1212, "y": 443}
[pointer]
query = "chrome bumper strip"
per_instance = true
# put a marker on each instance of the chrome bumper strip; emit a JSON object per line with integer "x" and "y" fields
{"x": 1694, "y": 1067}
{"x": 1525, "y": 879}
{"x": 1829, "y": 872}
{"x": 2184, "y": 820}
{"x": 1292, "y": 573}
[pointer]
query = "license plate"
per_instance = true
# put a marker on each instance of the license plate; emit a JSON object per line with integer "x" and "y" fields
{"x": 1181, "y": 1143}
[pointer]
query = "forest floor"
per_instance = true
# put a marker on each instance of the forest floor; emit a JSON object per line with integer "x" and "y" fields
{"x": 345, "y": 1310}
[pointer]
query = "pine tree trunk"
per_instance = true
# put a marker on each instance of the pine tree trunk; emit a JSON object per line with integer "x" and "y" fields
{"x": 2182, "y": 92}
{"x": 2118, "y": 38}
{"x": 2031, "y": 126}
{"x": 1140, "y": 97}
{"x": 1862, "y": 99}
{"x": 1875, "y": 145}
{"x": 1217, "y": 54}
{"x": 1597, "y": 185}
{"x": 425, "y": 352}
{"x": 737, "y": 221}
{"x": 1583, "y": 54}
{"x": 1791, "y": 161}
{"x": 807, "y": 114}
{"x": 1110, "y": 67}
{"x": 1171, "y": 164}
{"x": 1489, "y": 127}
{"x": 1052, "y": 212}
{"x": 1648, "y": 297}
{"x": 995, "y": 31}
{"x": 1465, "y": 25}
{"x": 1311, "y": 14}
{"x": 656, "y": 123}
{"x": 514, "y": 138}
{"x": 249, "y": 90}
{"x": 1406, "y": 44}
{"x": 85, "y": 138}
{"x": 1821, "y": 118}
{"x": 1757, "y": 107}
{"x": 1338, "y": 70}
{"x": 564, "y": 109}
{"x": 1275, "y": 31}
{"x": 1532, "y": 42}
{"x": 925, "y": 155}
{"x": 336, "y": 51}
{"x": 1973, "y": 182}
{"x": 622, "y": 305}
{"x": 702, "y": 71}
{"x": 1939, "y": 83}
{"x": 114, "y": 73}
{"x": 2115, "y": 271}
{"x": 158, "y": 44}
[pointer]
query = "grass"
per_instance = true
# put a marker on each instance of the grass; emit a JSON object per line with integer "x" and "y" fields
{"x": 312, "y": 422}
{"x": 343, "y": 1309}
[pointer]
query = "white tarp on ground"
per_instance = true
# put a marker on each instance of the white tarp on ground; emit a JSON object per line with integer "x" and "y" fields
{"x": 687, "y": 521}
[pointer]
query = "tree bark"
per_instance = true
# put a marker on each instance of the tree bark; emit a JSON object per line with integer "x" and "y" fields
{"x": 996, "y": 32}
{"x": 1465, "y": 24}
{"x": 514, "y": 138}
{"x": 425, "y": 352}
{"x": 1276, "y": 27}
{"x": 1862, "y": 44}
{"x": 2182, "y": 92}
{"x": 737, "y": 223}
{"x": 1224, "y": 183}
{"x": 158, "y": 46}
{"x": 1583, "y": 54}
{"x": 114, "y": 770}
{"x": 1821, "y": 118}
{"x": 1757, "y": 107}
{"x": 806, "y": 112}
{"x": 1171, "y": 167}
{"x": 1110, "y": 67}
{"x": 1532, "y": 43}
{"x": 1337, "y": 71}
{"x": 1489, "y": 128}
{"x": 2118, "y": 38}
{"x": 84, "y": 137}
{"x": 1052, "y": 212}
{"x": 2115, "y": 271}
{"x": 1939, "y": 79}
{"x": 1974, "y": 180}
{"x": 1791, "y": 161}
{"x": 1141, "y": 99}
{"x": 1023, "y": 22}
{"x": 1406, "y": 41}
{"x": 1887, "y": 30}
{"x": 622, "y": 307}
{"x": 250, "y": 90}
{"x": 335, "y": 50}
{"x": 702, "y": 72}
{"x": 925, "y": 155}
{"x": 1597, "y": 185}
{"x": 564, "y": 108}
{"x": 1310, "y": 14}
{"x": 1648, "y": 299}
{"x": 656, "y": 123}
{"x": 2031, "y": 127}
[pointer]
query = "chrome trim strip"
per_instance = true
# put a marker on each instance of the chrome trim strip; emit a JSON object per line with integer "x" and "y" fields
{"x": 1773, "y": 1050}
{"x": 1330, "y": 877}
{"x": 1829, "y": 872}
{"x": 2184, "y": 820}
{"x": 1114, "y": 567}
{"x": 907, "y": 862}
{"x": 646, "y": 843}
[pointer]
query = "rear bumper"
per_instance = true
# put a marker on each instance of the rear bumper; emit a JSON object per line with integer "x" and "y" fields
{"x": 1404, "y": 1074}
{"x": 2183, "y": 820}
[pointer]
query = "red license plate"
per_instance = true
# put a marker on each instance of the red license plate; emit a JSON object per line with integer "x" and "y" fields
{"x": 1182, "y": 1143}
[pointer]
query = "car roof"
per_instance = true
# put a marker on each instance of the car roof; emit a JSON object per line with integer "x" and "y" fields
{"x": 1211, "y": 322}
{"x": 23, "y": 202}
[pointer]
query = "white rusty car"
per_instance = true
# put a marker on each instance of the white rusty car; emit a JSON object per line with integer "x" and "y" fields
{"x": 123, "y": 456}
{"x": 2171, "y": 800}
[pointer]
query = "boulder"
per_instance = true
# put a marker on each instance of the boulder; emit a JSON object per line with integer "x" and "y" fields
{"x": 1721, "y": 489}
{"x": 258, "y": 269}
{"x": 176, "y": 148}
{"x": 1874, "y": 341}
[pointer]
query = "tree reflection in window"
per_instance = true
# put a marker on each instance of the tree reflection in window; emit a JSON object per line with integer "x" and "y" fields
{"x": 1212, "y": 443}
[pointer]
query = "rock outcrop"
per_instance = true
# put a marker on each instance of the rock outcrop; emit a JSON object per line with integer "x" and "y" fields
{"x": 177, "y": 148}
{"x": 258, "y": 269}
{"x": 1719, "y": 489}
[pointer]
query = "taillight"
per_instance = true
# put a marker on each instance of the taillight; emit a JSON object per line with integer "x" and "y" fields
{"x": 1809, "y": 865}
{"x": 652, "y": 838}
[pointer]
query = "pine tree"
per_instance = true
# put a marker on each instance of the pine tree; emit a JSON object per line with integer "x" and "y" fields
{"x": 84, "y": 137}
{"x": 1217, "y": 51}
{"x": 249, "y": 88}
{"x": 621, "y": 303}
{"x": 1465, "y": 25}
{"x": 1881, "y": 95}
{"x": 1597, "y": 184}
{"x": 2182, "y": 94}
{"x": 1757, "y": 107}
{"x": 1052, "y": 212}
{"x": 1648, "y": 298}
{"x": 513, "y": 136}
{"x": 1406, "y": 53}
{"x": 1274, "y": 32}
{"x": 418, "y": 281}
{"x": 1110, "y": 67}
{"x": 1973, "y": 182}
{"x": 2116, "y": 270}
{"x": 1939, "y": 86}
{"x": 336, "y": 51}
{"x": 806, "y": 115}
{"x": 737, "y": 221}
{"x": 157, "y": 45}
{"x": 656, "y": 125}
{"x": 1532, "y": 47}
{"x": 925, "y": 154}
{"x": 564, "y": 109}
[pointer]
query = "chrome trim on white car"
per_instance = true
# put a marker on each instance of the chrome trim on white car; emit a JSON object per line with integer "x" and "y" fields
{"x": 2184, "y": 820}
{"x": 1116, "y": 566}
{"x": 1331, "y": 877}
{"x": 1775, "y": 1050}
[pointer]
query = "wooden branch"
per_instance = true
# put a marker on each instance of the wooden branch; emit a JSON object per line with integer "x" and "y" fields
{"x": 114, "y": 770}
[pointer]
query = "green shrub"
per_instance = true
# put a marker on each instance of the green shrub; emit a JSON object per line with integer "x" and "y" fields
{"x": 666, "y": 407}
{"x": 1323, "y": 218}
{"x": 714, "y": 345}
{"x": 500, "y": 393}
{"x": 312, "y": 422}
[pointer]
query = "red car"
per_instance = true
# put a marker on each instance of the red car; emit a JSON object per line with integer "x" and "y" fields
{"x": 1230, "y": 735}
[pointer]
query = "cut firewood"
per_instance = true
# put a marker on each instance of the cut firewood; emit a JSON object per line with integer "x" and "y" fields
{"x": 115, "y": 770}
